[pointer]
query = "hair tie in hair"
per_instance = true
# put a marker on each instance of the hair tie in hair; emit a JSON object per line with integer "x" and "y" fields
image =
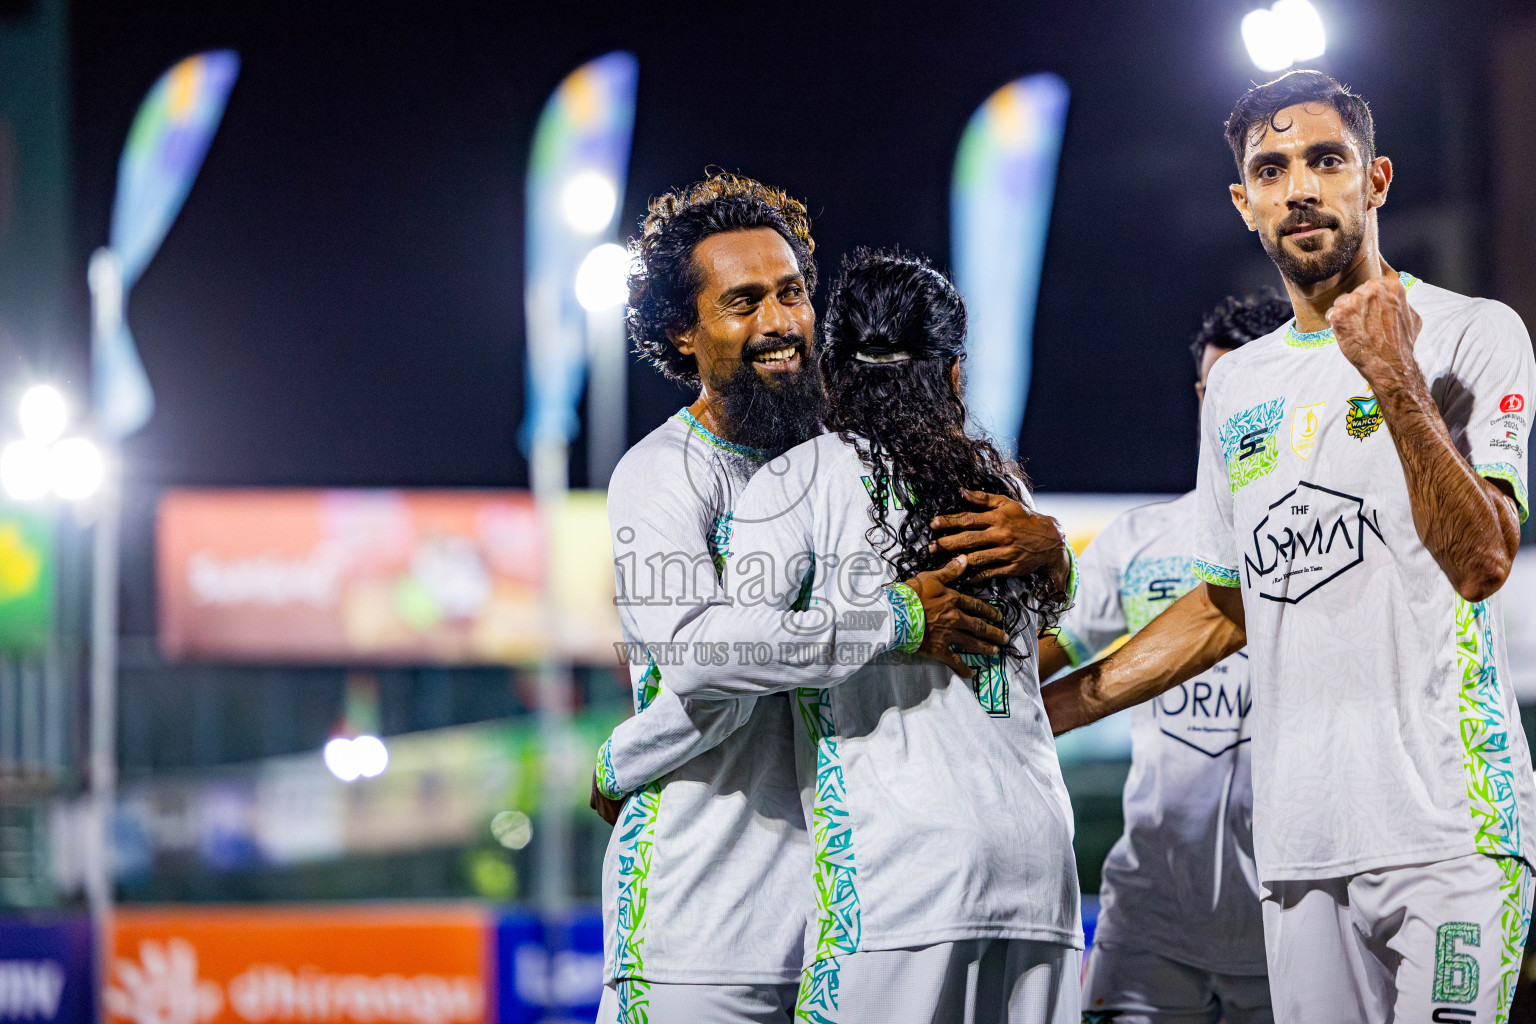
{"x": 882, "y": 357}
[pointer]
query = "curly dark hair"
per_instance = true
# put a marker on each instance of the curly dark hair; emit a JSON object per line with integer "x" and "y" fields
{"x": 1256, "y": 110}
{"x": 893, "y": 330}
{"x": 1236, "y": 322}
{"x": 664, "y": 283}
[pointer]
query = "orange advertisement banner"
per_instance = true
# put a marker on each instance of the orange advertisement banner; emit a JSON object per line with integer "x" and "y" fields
{"x": 384, "y": 965}
{"x": 380, "y": 577}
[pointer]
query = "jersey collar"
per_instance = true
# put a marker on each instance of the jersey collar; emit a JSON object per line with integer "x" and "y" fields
{"x": 1317, "y": 339}
{"x": 714, "y": 440}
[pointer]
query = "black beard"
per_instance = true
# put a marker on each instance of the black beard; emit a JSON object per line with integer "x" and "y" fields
{"x": 773, "y": 417}
{"x": 1312, "y": 267}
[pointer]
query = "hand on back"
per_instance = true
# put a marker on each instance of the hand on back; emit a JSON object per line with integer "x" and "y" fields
{"x": 955, "y": 622}
{"x": 1002, "y": 539}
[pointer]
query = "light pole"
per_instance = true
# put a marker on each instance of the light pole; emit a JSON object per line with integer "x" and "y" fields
{"x": 47, "y": 463}
{"x": 105, "y": 278}
{"x": 171, "y": 133}
{"x": 574, "y": 190}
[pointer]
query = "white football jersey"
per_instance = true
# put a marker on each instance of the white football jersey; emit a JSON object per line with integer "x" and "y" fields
{"x": 708, "y": 868}
{"x": 936, "y": 804}
{"x": 1181, "y": 881}
{"x": 1386, "y": 732}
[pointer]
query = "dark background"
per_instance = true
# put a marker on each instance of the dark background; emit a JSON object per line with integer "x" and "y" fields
{"x": 339, "y": 302}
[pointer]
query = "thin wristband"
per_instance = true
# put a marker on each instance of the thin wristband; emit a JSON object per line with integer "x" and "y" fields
{"x": 604, "y": 772}
{"x": 1072, "y": 578}
{"x": 910, "y": 622}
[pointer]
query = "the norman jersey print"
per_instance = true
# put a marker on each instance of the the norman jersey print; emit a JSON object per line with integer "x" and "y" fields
{"x": 1181, "y": 881}
{"x": 1386, "y": 731}
{"x": 708, "y": 868}
{"x": 936, "y": 804}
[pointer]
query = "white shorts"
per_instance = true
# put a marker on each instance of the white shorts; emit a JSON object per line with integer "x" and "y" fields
{"x": 631, "y": 1001}
{"x": 1433, "y": 942}
{"x": 1136, "y": 986}
{"x": 977, "y": 981}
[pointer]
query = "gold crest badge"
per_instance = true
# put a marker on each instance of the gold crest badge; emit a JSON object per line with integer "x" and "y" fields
{"x": 1306, "y": 424}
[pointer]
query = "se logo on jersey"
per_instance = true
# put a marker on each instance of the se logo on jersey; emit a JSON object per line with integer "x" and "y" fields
{"x": 1248, "y": 442}
{"x": 1512, "y": 403}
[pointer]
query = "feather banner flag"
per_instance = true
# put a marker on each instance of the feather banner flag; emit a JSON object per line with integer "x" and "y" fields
{"x": 165, "y": 149}
{"x": 1000, "y": 207}
{"x": 575, "y": 189}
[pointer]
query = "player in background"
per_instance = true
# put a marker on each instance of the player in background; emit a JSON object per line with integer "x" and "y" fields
{"x": 708, "y": 866}
{"x": 945, "y": 883}
{"x": 1362, "y": 483}
{"x": 1179, "y": 939}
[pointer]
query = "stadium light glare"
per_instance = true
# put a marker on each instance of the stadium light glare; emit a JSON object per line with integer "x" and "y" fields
{"x": 602, "y": 280}
{"x": 40, "y": 463}
{"x": 340, "y": 759}
{"x": 43, "y": 413}
{"x": 512, "y": 829}
{"x": 361, "y": 757}
{"x": 77, "y": 469}
{"x": 588, "y": 201}
{"x": 1303, "y": 28}
{"x": 1282, "y": 35}
{"x": 24, "y": 471}
{"x": 371, "y": 755}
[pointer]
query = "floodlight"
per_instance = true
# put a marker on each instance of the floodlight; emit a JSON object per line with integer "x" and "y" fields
{"x": 24, "y": 470}
{"x": 341, "y": 759}
{"x": 588, "y": 201}
{"x": 78, "y": 469}
{"x": 370, "y": 755}
{"x": 43, "y": 413}
{"x": 1303, "y": 28}
{"x": 602, "y": 280}
{"x": 1286, "y": 33}
{"x": 1267, "y": 45}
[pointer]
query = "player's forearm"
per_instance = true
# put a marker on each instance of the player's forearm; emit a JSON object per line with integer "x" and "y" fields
{"x": 668, "y": 734}
{"x": 1184, "y": 641}
{"x": 1053, "y": 656}
{"x": 1468, "y": 524}
{"x": 751, "y": 651}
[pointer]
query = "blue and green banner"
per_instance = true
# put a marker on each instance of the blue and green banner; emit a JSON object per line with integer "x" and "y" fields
{"x": 576, "y": 170}
{"x": 165, "y": 149}
{"x": 1000, "y": 208}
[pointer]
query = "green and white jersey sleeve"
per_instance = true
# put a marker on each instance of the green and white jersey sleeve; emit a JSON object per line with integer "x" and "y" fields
{"x": 1181, "y": 881}
{"x": 1386, "y": 730}
{"x": 936, "y": 804}
{"x": 709, "y": 783}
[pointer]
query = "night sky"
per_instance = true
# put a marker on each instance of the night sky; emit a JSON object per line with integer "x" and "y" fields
{"x": 340, "y": 300}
